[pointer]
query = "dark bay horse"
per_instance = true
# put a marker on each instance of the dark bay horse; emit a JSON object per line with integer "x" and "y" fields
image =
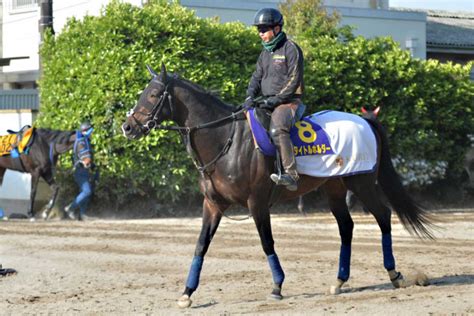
{"x": 41, "y": 161}
{"x": 233, "y": 171}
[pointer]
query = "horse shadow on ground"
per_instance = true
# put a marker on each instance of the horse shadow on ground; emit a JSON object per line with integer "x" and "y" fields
{"x": 205, "y": 305}
{"x": 457, "y": 279}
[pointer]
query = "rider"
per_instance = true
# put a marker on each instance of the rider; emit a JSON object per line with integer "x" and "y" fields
{"x": 279, "y": 79}
{"x": 83, "y": 172}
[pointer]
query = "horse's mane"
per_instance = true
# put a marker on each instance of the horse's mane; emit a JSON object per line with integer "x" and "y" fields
{"x": 204, "y": 93}
{"x": 59, "y": 137}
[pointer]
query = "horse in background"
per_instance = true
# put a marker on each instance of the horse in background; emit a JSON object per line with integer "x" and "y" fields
{"x": 40, "y": 161}
{"x": 232, "y": 171}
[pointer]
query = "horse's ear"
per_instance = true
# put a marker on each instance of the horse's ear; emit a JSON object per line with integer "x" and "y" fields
{"x": 363, "y": 110}
{"x": 377, "y": 110}
{"x": 151, "y": 71}
{"x": 163, "y": 72}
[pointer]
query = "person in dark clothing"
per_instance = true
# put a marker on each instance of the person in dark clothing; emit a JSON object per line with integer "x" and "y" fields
{"x": 278, "y": 78}
{"x": 85, "y": 173}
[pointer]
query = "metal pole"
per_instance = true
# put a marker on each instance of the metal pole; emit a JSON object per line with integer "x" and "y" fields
{"x": 45, "y": 22}
{"x": 46, "y": 17}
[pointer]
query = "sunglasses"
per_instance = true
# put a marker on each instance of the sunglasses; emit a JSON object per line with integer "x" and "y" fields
{"x": 264, "y": 29}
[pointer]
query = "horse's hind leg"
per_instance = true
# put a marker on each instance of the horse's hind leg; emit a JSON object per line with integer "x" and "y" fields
{"x": 336, "y": 193}
{"x": 34, "y": 186}
{"x": 212, "y": 214}
{"x": 48, "y": 177}
{"x": 2, "y": 173}
{"x": 364, "y": 188}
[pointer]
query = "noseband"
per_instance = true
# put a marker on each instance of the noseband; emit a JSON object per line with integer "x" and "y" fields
{"x": 155, "y": 112}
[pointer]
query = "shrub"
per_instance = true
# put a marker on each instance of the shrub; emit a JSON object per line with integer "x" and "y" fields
{"x": 95, "y": 69}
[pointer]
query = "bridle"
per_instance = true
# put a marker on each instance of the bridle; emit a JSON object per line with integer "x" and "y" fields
{"x": 155, "y": 112}
{"x": 186, "y": 131}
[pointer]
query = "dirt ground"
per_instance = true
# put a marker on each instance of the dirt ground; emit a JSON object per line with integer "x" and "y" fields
{"x": 140, "y": 267}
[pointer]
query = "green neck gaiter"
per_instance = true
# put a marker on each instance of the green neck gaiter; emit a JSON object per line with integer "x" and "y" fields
{"x": 270, "y": 46}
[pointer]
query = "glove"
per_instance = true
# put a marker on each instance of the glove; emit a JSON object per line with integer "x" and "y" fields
{"x": 268, "y": 104}
{"x": 249, "y": 103}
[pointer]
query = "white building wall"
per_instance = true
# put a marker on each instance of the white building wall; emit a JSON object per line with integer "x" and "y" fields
{"x": 367, "y": 4}
{"x": 407, "y": 33}
{"x": 407, "y": 28}
{"x": 20, "y": 37}
{"x": 20, "y": 28}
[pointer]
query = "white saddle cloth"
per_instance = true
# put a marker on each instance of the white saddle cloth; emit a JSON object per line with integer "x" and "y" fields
{"x": 353, "y": 146}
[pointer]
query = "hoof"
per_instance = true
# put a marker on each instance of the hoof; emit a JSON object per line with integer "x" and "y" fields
{"x": 44, "y": 215}
{"x": 397, "y": 279}
{"x": 334, "y": 290}
{"x": 276, "y": 296}
{"x": 184, "y": 301}
{"x": 276, "y": 292}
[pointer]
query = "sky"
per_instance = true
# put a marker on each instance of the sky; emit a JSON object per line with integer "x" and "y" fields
{"x": 445, "y": 5}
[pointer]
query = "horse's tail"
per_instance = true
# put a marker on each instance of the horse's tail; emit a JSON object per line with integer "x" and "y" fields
{"x": 413, "y": 217}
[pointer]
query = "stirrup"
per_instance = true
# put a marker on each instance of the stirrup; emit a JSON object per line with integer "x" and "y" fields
{"x": 285, "y": 180}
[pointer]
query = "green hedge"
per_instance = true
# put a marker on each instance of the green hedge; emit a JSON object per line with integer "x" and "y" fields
{"x": 95, "y": 69}
{"x": 427, "y": 107}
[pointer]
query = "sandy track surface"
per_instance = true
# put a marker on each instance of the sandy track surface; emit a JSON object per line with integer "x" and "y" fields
{"x": 140, "y": 267}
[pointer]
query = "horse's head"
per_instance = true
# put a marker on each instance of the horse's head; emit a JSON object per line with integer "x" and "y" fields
{"x": 153, "y": 107}
{"x": 82, "y": 149}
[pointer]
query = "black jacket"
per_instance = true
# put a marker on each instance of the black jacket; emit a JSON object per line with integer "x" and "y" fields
{"x": 279, "y": 74}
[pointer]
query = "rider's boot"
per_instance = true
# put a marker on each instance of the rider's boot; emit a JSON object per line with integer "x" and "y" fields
{"x": 290, "y": 177}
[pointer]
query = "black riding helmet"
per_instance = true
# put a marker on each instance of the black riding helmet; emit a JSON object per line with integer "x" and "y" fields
{"x": 268, "y": 17}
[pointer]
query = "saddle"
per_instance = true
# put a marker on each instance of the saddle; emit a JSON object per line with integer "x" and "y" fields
{"x": 326, "y": 144}
{"x": 16, "y": 143}
{"x": 259, "y": 121}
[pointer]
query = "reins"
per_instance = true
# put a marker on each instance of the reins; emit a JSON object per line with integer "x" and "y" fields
{"x": 186, "y": 131}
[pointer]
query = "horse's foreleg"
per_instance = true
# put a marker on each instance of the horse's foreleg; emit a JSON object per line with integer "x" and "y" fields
{"x": 261, "y": 216}
{"x": 336, "y": 193}
{"x": 212, "y": 214}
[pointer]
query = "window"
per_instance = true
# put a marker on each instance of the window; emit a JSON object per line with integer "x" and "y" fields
{"x": 21, "y": 5}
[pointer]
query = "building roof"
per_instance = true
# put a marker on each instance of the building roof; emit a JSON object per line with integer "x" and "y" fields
{"x": 447, "y": 30}
{"x": 450, "y": 29}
